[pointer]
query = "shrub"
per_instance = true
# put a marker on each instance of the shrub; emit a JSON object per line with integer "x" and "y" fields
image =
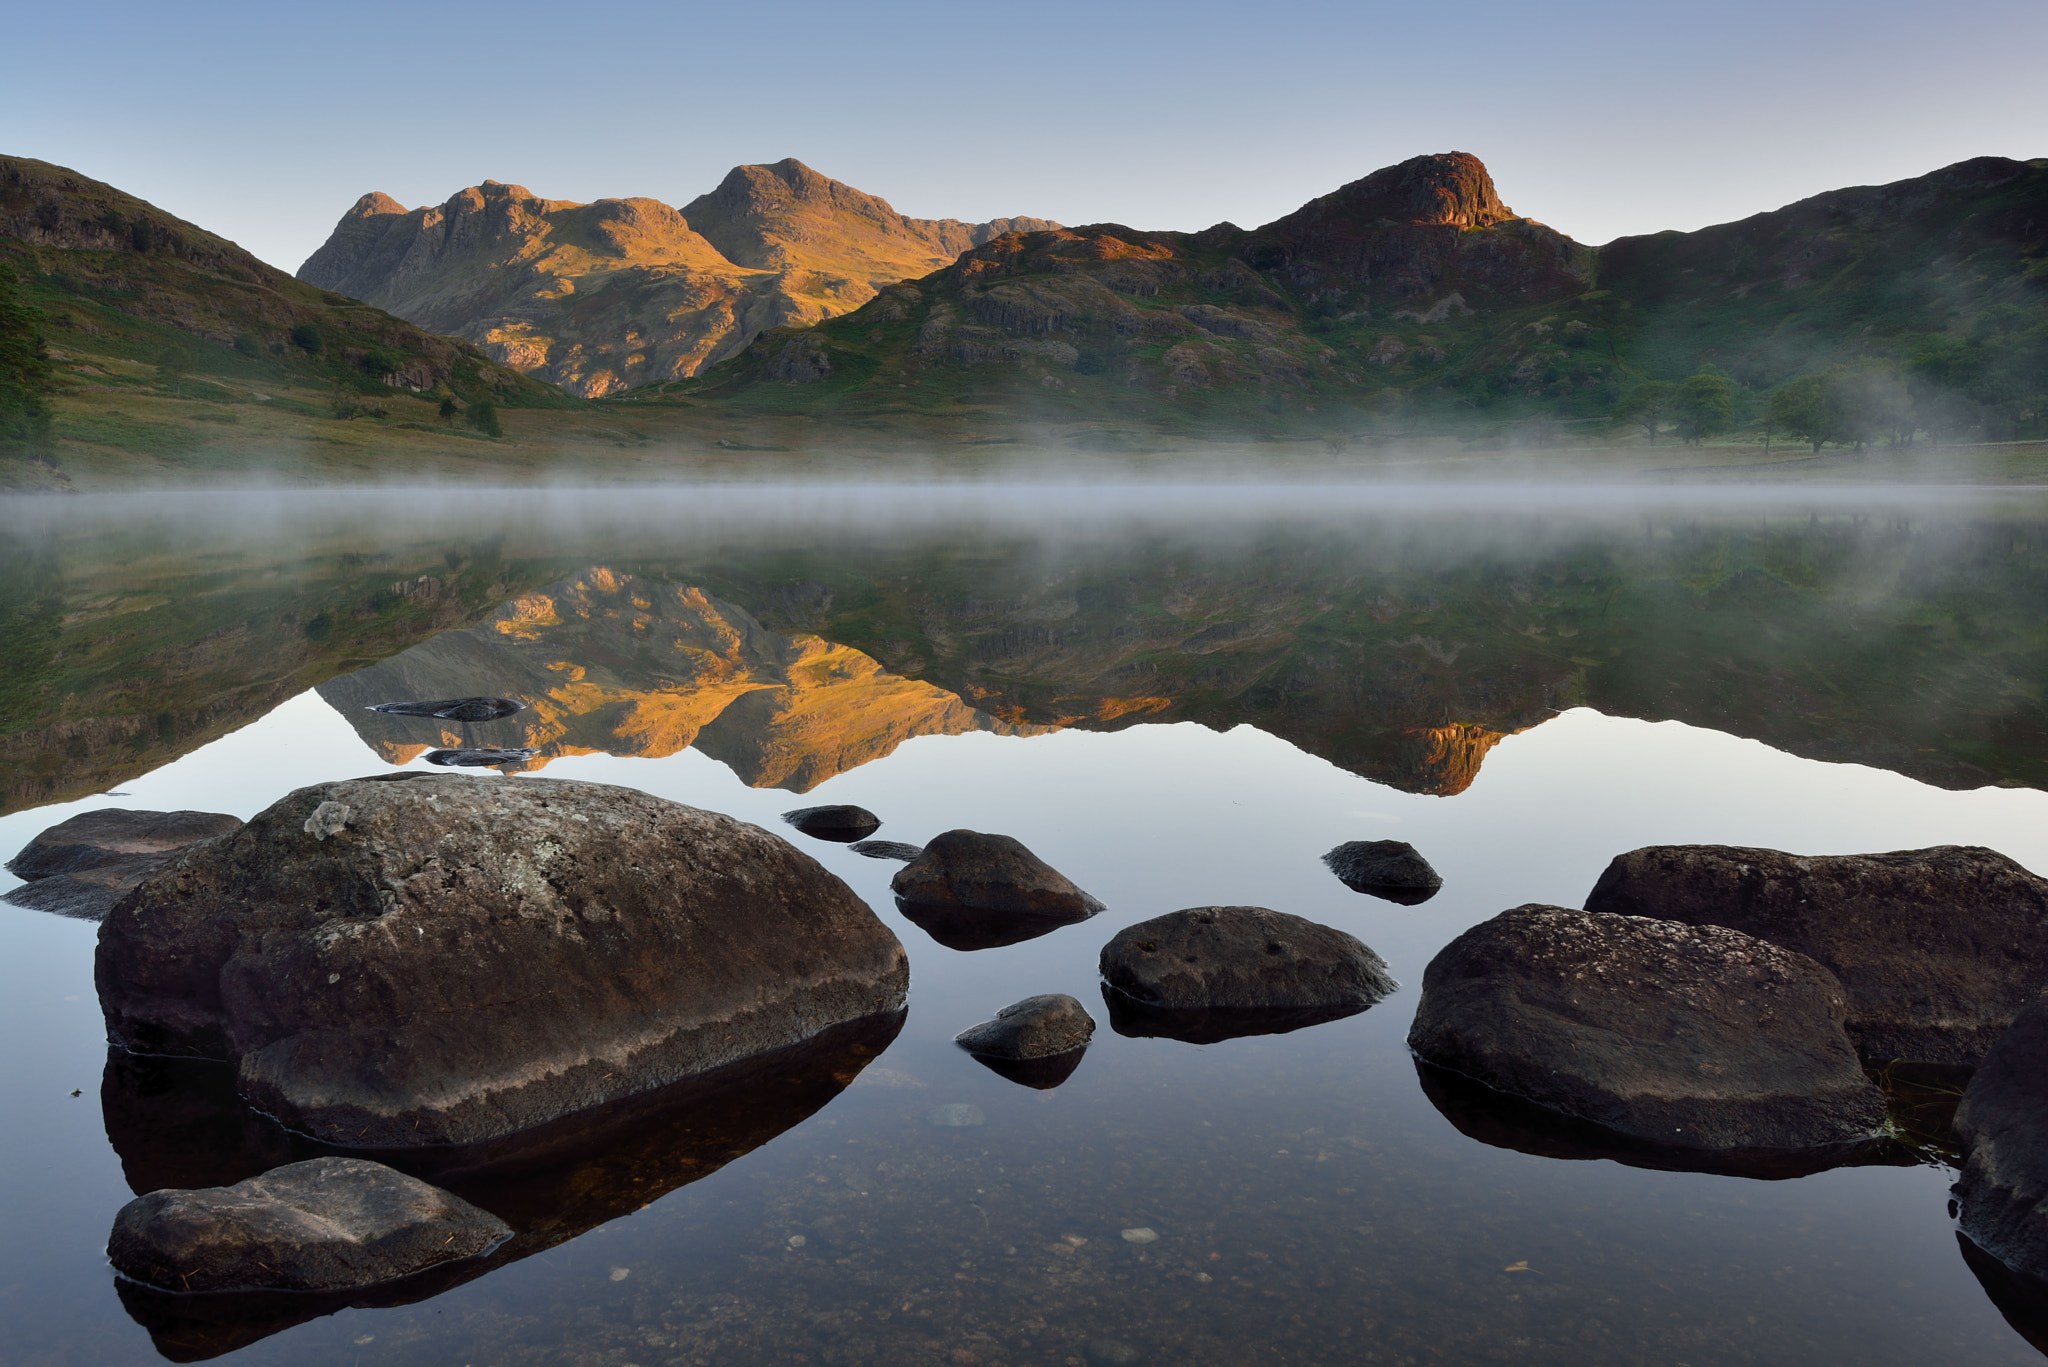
{"x": 307, "y": 338}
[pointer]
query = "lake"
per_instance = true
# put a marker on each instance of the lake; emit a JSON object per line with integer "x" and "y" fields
{"x": 1176, "y": 696}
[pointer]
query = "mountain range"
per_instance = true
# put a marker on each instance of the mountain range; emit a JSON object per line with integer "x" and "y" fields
{"x": 600, "y": 298}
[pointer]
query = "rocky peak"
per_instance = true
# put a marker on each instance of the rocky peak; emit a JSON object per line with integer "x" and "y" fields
{"x": 1448, "y": 188}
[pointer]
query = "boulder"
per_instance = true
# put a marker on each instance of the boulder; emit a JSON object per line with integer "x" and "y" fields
{"x": 1686, "y": 1036}
{"x": 1389, "y": 869}
{"x": 842, "y": 823}
{"x": 479, "y": 757}
{"x": 969, "y": 871}
{"x": 82, "y": 866}
{"x": 1243, "y": 958}
{"x": 2003, "y": 1125}
{"x": 886, "y": 849}
{"x": 430, "y": 959}
{"x": 1037, "y": 1027}
{"x": 453, "y": 709}
{"x": 328, "y": 1224}
{"x": 1938, "y": 948}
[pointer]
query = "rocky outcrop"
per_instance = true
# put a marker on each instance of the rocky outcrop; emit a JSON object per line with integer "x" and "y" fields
{"x": 1389, "y": 869}
{"x": 617, "y": 664}
{"x": 2003, "y": 1124}
{"x": 627, "y": 292}
{"x": 1683, "y": 1036}
{"x": 425, "y": 959}
{"x": 327, "y": 1224}
{"x": 1937, "y": 948}
{"x": 80, "y": 867}
{"x": 1242, "y": 958}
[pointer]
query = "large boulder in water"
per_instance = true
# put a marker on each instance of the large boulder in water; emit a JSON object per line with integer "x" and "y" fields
{"x": 1389, "y": 869}
{"x": 970, "y": 871}
{"x": 1242, "y": 958}
{"x": 1938, "y": 948}
{"x": 328, "y": 1224}
{"x": 82, "y": 866}
{"x": 1689, "y": 1036}
{"x": 425, "y": 959}
{"x": 2003, "y": 1124}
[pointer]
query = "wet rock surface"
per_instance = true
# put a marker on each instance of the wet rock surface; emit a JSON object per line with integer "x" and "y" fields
{"x": 969, "y": 871}
{"x": 81, "y": 867}
{"x": 327, "y": 1224}
{"x": 886, "y": 849}
{"x": 1937, "y": 948}
{"x": 1688, "y": 1036}
{"x": 479, "y": 757}
{"x": 1033, "y": 1028}
{"x": 842, "y": 823}
{"x": 453, "y": 709}
{"x": 2003, "y": 1125}
{"x": 449, "y": 960}
{"x": 1388, "y": 869}
{"x": 1243, "y": 958}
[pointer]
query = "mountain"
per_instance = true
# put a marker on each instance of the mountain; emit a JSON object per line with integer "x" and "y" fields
{"x": 1415, "y": 300}
{"x": 628, "y": 292}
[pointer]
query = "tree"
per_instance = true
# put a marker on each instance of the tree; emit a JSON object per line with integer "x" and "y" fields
{"x": 1800, "y": 409}
{"x": 172, "y": 365}
{"x": 307, "y": 338}
{"x": 1645, "y": 406}
{"x": 448, "y": 410}
{"x": 26, "y": 374}
{"x": 483, "y": 416}
{"x": 1704, "y": 405}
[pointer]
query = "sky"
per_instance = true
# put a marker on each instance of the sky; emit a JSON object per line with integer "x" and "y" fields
{"x": 264, "y": 122}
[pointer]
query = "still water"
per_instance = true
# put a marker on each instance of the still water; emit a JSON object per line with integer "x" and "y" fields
{"x": 1175, "y": 707}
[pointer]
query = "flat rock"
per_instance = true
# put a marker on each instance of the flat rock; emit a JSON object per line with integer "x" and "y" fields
{"x": 327, "y": 1224}
{"x": 479, "y": 757}
{"x": 1687, "y": 1036}
{"x": 1389, "y": 869}
{"x": 1938, "y": 948}
{"x": 1238, "y": 958}
{"x": 1036, "y": 1027}
{"x": 886, "y": 849}
{"x": 82, "y": 866}
{"x": 970, "y": 871}
{"x": 2003, "y": 1124}
{"x": 446, "y": 960}
{"x": 453, "y": 709}
{"x": 842, "y": 823}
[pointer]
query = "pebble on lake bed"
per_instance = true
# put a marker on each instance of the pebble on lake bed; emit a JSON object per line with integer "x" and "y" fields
{"x": 797, "y": 1241}
{"x": 955, "y": 1115}
{"x": 1141, "y": 1235}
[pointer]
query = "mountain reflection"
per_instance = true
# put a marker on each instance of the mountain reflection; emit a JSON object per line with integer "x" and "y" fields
{"x": 178, "y": 1123}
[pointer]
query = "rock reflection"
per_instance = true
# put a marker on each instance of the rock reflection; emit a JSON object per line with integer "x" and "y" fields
{"x": 1508, "y": 1122}
{"x": 1213, "y": 1025}
{"x": 1042, "y": 1074}
{"x": 971, "y": 928}
{"x": 178, "y": 1123}
{"x": 2020, "y": 1299}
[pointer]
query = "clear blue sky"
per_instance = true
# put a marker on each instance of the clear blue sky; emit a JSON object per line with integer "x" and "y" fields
{"x": 265, "y": 121}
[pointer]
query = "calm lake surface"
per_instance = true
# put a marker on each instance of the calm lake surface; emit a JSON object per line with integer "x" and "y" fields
{"x": 1177, "y": 699}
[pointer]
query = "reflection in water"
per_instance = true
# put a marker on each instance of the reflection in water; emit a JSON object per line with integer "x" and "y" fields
{"x": 1043, "y": 1074}
{"x": 617, "y": 664}
{"x": 178, "y": 1123}
{"x": 1510, "y": 1122}
{"x": 972, "y": 928}
{"x": 1214, "y": 1024}
{"x": 2021, "y": 1299}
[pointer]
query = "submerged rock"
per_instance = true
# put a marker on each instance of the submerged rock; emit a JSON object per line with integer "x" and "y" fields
{"x": 481, "y": 757}
{"x": 1036, "y": 1027}
{"x": 842, "y": 823}
{"x": 886, "y": 849}
{"x": 955, "y": 1115}
{"x": 970, "y": 871}
{"x": 82, "y": 866}
{"x": 453, "y": 709}
{"x": 1237, "y": 958}
{"x": 446, "y": 961}
{"x": 1688, "y": 1036}
{"x": 1938, "y": 948}
{"x": 1389, "y": 869}
{"x": 2003, "y": 1124}
{"x": 328, "y": 1224}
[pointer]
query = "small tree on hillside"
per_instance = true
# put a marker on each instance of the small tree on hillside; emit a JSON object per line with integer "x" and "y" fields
{"x": 483, "y": 416}
{"x": 448, "y": 409}
{"x": 1704, "y": 405}
{"x": 173, "y": 363}
{"x": 1645, "y": 406}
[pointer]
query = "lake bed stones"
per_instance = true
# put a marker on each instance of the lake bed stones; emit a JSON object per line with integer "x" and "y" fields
{"x": 2003, "y": 1124}
{"x": 1687, "y": 1036}
{"x": 1938, "y": 948}
{"x": 80, "y": 867}
{"x": 449, "y": 960}
{"x": 1388, "y": 869}
{"x": 1242, "y": 958}
{"x": 840, "y": 822}
{"x": 329, "y": 1224}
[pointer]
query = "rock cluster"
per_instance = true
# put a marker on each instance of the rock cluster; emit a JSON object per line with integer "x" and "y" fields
{"x": 82, "y": 866}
